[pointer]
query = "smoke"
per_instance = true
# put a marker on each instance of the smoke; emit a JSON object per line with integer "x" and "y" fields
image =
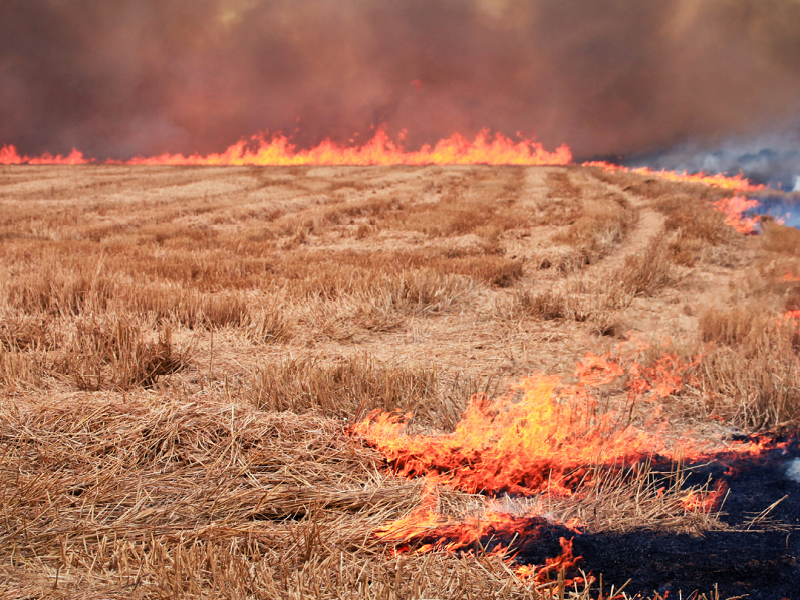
{"x": 793, "y": 470}
{"x": 771, "y": 160}
{"x": 784, "y": 209}
{"x": 608, "y": 78}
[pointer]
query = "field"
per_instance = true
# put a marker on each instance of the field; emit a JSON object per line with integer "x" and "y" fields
{"x": 184, "y": 352}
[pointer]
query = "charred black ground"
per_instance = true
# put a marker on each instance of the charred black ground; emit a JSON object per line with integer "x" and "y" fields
{"x": 760, "y": 563}
{"x": 755, "y": 558}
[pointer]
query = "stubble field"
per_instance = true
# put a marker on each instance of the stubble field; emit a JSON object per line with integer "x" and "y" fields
{"x": 183, "y": 352}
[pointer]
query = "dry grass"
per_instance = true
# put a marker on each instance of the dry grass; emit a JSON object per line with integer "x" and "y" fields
{"x": 181, "y": 351}
{"x": 110, "y": 353}
{"x": 582, "y": 300}
{"x": 752, "y": 374}
{"x": 647, "y": 272}
{"x": 348, "y": 389}
{"x": 694, "y": 218}
{"x": 22, "y": 333}
{"x": 746, "y": 325}
{"x": 352, "y": 387}
{"x": 603, "y": 223}
{"x": 689, "y": 212}
{"x": 563, "y": 204}
{"x": 780, "y": 239}
{"x": 115, "y": 354}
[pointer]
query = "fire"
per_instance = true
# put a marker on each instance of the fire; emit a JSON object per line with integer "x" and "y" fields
{"x": 380, "y": 150}
{"x": 10, "y": 156}
{"x": 564, "y": 561}
{"x": 552, "y": 440}
{"x": 485, "y": 149}
{"x": 492, "y": 534}
{"x": 737, "y": 182}
{"x": 705, "y": 502}
{"x": 545, "y": 441}
{"x": 734, "y": 210}
{"x": 789, "y": 277}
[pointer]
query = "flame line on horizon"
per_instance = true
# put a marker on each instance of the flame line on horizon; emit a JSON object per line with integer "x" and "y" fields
{"x": 277, "y": 150}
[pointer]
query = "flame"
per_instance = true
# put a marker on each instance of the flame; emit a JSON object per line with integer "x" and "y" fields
{"x": 666, "y": 377}
{"x": 705, "y": 502}
{"x": 545, "y": 441}
{"x": 789, "y": 277}
{"x": 564, "y": 561}
{"x": 10, "y": 156}
{"x": 737, "y": 182}
{"x": 734, "y": 209}
{"x": 433, "y": 532}
{"x": 429, "y": 531}
{"x": 380, "y": 150}
{"x": 550, "y": 441}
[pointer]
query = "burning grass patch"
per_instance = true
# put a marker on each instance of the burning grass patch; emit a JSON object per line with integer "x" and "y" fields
{"x": 637, "y": 498}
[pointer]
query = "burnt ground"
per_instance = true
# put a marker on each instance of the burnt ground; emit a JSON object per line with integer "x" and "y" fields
{"x": 755, "y": 557}
{"x": 758, "y": 563}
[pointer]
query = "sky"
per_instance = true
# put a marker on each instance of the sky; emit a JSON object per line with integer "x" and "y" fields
{"x": 667, "y": 81}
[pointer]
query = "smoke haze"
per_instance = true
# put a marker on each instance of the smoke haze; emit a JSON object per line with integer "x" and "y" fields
{"x": 621, "y": 77}
{"x": 773, "y": 160}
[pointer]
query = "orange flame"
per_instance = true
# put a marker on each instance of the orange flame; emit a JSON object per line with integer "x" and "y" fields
{"x": 549, "y": 441}
{"x": 737, "y": 182}
{"x": 380, "y": 150}
{"x": 705, "y": 502}
{"x": 566, "y": 560}
{"x": 10, "y": 156}
{"x": 543, "y": 442}
{"x": 432, "y": 531}
{"x": 734, "y": 209}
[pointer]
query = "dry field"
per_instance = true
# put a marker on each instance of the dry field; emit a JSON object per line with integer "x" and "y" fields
{"x": 182, "y": 351}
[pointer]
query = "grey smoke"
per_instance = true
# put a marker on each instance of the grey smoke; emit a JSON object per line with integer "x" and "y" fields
{"x": 608, "y": 78}
{"x": 772, "y": 160}
{"x": 793, "y": 470}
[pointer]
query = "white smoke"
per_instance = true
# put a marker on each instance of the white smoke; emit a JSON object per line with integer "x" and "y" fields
{"x": 793, "y": 470}
{"x": 770, "y": 159}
